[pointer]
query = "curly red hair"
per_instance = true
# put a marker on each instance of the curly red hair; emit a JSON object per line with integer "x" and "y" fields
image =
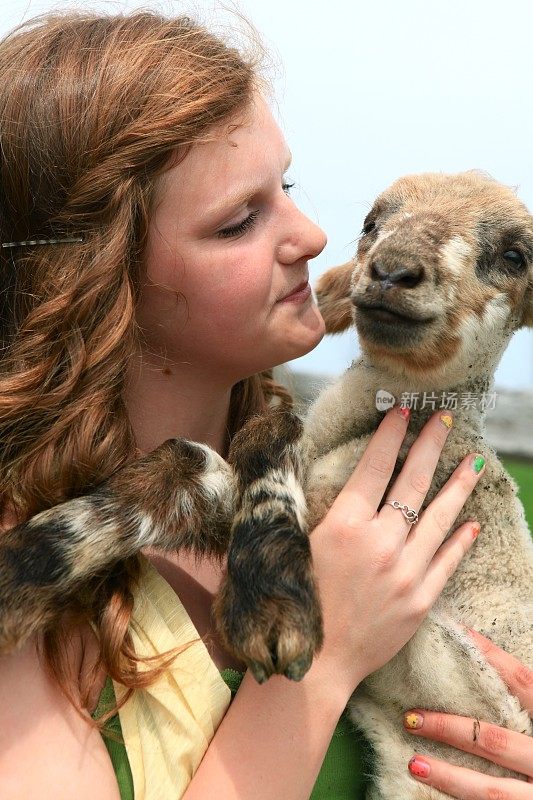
{"x": 93, "y": 109}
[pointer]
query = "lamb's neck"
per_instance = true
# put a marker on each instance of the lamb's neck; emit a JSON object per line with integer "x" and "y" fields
{"x": 347, "y": 409}
{"x": 468, "y": 397}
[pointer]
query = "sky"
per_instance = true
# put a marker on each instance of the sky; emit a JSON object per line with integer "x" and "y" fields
{"x": 367, "y": 92}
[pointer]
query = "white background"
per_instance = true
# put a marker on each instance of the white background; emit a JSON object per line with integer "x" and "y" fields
{"x": 368, "y": 91}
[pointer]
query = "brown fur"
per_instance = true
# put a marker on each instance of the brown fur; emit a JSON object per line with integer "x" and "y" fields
{"x": 457, "y": 253}
{"x": 180, "y": 496}
{"x": 439, "y": 211}
{"x": 464, "y": 297}
{"x": 333, "y": 295}
{"x": 267, "y": 609}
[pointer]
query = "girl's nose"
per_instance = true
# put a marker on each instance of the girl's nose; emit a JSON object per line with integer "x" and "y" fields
{"x": 304, "y": 240}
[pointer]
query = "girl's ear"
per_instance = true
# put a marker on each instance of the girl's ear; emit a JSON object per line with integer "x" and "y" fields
{"x": 333, "y": 297}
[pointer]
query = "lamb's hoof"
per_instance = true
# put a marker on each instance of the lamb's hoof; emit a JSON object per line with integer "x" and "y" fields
{"x": 295, "y": 670}
{"x": 289, "y": 653}
{"x": 271, "y": 635}
{"x": 294, "y": 662}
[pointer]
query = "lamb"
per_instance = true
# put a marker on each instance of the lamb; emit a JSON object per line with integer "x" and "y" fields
{"x": 442, "y": 278}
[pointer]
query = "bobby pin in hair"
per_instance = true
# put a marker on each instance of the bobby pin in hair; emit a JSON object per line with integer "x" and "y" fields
{"x": 43, "y": 241}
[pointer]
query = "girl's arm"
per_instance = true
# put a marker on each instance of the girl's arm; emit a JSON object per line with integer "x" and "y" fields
{"x": 377, "y": 581}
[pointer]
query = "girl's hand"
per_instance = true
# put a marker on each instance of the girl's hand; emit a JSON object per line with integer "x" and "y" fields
{"x": 378, "y": 576}
{"x": 504, "y": 747}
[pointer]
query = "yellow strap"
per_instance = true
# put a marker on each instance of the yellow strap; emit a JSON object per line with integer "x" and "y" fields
{"x": 168, "y": 726}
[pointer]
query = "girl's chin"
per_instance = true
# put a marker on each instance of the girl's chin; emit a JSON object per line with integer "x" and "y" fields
{"x": 302, "y": 347}
{"x": 295, "y": 344}
{"x": 312, "y": 334}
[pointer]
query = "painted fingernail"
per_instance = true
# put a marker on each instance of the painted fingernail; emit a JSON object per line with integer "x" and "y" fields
{"x": 404, "y": 412}
{"x": 478, "y": 462}
{"x": 413, "y": 720}
{"x": 419, "y": 767}
{"x": 447, "y": 420}
{"x": 475, "y": 529}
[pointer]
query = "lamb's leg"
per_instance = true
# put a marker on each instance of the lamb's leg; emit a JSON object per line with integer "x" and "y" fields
{"x": 440, "y": 666}
{"x": 345, "y": 411}
{"x": 267, "y": 610}
{"x": 182, "y": 495}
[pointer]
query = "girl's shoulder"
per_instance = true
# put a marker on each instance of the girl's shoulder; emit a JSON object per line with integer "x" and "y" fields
{"x": 48, "y": 748}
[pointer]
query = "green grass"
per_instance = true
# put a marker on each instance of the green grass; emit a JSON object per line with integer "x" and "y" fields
{"x": 522, "y": 472}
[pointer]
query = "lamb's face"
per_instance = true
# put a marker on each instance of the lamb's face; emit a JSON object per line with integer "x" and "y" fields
{"x": 443, "y": 275}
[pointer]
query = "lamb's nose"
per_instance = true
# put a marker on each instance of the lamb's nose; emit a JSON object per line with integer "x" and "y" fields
{"x": 406, "y": 277}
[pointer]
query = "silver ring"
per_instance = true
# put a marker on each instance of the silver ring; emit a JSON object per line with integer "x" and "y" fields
{"x": 409, "y": 513}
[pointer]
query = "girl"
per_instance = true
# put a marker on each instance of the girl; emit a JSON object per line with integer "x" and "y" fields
{"x": 172, "y": 277}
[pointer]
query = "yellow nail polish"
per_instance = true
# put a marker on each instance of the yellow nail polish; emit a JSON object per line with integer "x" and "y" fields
{"x": 447, "y": 420}
{"x": 413, "y": 720}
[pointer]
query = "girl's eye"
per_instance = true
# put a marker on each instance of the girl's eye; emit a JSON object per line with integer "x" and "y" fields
{"x": 241, "y": 227}
{"x": 249, "y": 221}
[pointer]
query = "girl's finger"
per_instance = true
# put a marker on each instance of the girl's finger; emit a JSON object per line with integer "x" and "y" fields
{"x": 438, "y": 518}
{"x": 504, "y": 747}
{"x": 466, "y": 784}
{"x": 447, "y": 559}
{"x": 366, "y": 486}
{"x": 517, "y": 676}
{"x": 413, "y": 483}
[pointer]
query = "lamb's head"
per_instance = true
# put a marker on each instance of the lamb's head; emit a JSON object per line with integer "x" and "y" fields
{"x": 442, "y": 278}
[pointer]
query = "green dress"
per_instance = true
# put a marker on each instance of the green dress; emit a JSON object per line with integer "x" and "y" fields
{"x": 341, "y": 777}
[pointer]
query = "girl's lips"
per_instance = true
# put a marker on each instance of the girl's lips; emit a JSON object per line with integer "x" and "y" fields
{"x": 301, "y": 293}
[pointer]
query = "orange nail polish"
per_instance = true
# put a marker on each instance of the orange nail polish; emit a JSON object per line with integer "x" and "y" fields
{"x": 404, "y": 412}
{"x": 419, "y": 767}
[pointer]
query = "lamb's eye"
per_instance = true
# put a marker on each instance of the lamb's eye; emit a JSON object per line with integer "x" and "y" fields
{"x": 368, "y": 226}
{"x": 514, "y": 257}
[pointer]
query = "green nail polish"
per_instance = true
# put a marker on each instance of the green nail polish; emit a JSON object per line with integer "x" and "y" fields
{"x": 478, "y": 463}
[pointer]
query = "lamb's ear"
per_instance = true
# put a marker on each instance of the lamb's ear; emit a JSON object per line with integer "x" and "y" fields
{"x": 333, "y": 297}
{"x": 527, "y": 319}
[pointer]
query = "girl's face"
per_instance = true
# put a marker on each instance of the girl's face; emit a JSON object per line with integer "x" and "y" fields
{"x": 227, "y": 248}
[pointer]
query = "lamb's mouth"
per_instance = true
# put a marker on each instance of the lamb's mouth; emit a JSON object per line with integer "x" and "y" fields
{"x": 381, "y": 313}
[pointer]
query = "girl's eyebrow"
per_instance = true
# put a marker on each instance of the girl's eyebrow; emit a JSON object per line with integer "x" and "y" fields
{"x": 238, "y": 197}
{"x": 230, "y": 201}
